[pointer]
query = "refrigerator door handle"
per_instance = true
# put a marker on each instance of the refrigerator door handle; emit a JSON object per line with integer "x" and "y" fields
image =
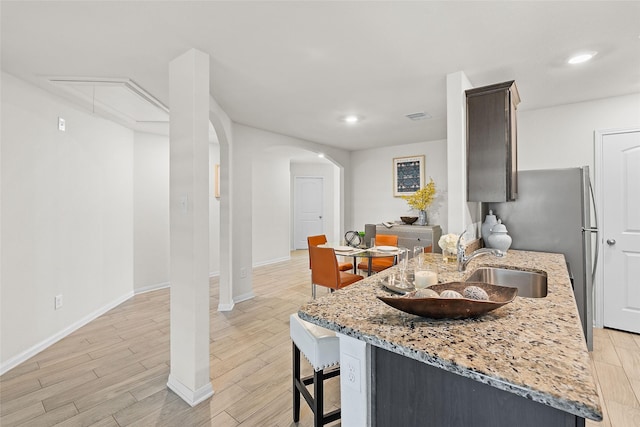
{"x": 594, "y": 230}
{"x": 597, "y": 251}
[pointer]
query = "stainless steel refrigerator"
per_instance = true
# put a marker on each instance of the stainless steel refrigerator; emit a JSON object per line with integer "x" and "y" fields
{"x": 553, "y": 214}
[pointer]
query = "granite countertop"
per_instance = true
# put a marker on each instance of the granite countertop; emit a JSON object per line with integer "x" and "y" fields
{"x": 532, "y": 347}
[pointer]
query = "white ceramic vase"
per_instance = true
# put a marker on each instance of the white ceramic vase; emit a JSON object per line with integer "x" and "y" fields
{"x": 489, "y": 222}
{"x": 499, "y": 238}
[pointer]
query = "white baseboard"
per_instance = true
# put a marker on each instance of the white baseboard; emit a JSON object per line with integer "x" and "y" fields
{"x": 243, "y": 297}
{"x": 239, "y": 298}
{"x": 151, "y": 288}
{"x": 192, "y": 397}
{"x": 272, "y": 261}
{"x": 226, "y": 307}
{"x": 30, "y": 352}
{"x": 164, "y": 285}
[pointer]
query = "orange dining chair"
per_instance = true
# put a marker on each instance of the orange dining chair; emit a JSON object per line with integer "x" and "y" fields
{"x": 318, "y": 240}
{"x": 381, "y": 263}
{"x": 325, "y": 272}
{"x": 321, "y": 239}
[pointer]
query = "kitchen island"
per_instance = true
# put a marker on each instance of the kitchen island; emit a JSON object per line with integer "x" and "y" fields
{"x": 525, "y": 363}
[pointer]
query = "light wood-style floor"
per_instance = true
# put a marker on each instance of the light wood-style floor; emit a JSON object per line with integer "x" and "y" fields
{"x": 113, "y": 371}
{"x": 615, "y": 361}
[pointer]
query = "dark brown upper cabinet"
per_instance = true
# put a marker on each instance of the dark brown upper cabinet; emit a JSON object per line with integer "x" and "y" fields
{"x": 492, "y": 160}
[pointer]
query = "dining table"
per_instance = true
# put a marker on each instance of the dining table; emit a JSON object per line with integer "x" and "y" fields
{"x": 364, "y": 252}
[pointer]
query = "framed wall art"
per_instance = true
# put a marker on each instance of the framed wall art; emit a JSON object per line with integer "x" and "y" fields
{"x": 408, "y": 175}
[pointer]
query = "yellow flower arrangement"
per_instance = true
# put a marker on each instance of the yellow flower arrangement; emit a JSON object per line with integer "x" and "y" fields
{"x": 422, "y": 198}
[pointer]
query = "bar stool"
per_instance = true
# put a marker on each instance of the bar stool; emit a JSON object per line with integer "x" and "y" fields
{"x": 321, "y": 348}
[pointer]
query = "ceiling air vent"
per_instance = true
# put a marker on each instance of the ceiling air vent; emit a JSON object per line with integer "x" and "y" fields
{"x": 418, "y": 116}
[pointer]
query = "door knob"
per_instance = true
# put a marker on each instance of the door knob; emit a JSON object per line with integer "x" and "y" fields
{"x": 611, "y": 242}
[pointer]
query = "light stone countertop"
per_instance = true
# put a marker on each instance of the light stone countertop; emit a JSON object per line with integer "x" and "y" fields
{"x": 532, "y": 347}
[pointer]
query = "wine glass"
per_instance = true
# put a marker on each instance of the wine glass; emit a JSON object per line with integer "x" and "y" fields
{"x": 417, "y": 254}
{"x": 403, "y": 258}
{"x": 403, "y": 272}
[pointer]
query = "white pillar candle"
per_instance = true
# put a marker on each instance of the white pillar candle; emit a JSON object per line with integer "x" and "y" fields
{"x": 424, "y": 278}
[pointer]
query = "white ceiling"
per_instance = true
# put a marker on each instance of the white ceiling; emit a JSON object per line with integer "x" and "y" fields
{"x": 296, "y": 68}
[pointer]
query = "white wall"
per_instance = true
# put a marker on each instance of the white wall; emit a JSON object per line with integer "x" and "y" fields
{"x": 254, "y": 147}
{"x": 372, "y": 175}
{"x": 462, "y": 215}
{"x": 262, "y": 184}
{"x": 269, "y": 220}
{"x": 151, "y": 212}
{"x": 263, "y": 191}
{"x": 67, "y": 223}
{"x": 330, "y": 200}
{"x": 563, "y": 136}
{"x": 270, "y": 209}
{"x": 555, "y": 137}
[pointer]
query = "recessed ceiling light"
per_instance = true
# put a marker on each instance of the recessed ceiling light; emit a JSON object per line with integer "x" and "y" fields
{"x": 581, "y": 57}
{"x": 321, "y": 155}
{"x": 351, "y": 119}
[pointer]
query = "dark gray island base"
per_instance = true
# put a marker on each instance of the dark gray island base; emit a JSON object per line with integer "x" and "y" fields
{"x": 411, "y": 393}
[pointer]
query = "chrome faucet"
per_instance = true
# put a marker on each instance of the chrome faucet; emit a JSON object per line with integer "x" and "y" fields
{"x": 464, "y": 260}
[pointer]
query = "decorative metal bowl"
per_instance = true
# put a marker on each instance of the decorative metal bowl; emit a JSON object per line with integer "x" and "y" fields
{"x": 409, "y": 219}
{"x": 453, "y": 308}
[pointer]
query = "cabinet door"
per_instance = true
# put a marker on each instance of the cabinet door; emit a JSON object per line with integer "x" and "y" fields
{"x": 411, "y": 242}
{"x": 413, "y": 235}
{"x": 492, "y": 143}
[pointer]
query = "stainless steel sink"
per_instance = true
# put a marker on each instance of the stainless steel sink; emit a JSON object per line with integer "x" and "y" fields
{"x": 530, "y": 284}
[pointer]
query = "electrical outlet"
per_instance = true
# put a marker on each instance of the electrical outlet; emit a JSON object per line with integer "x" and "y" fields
{"x": 243, "y": 272}
{"x": 61, "y": 124}
{"x": 350, "y": 371}
{"x": 57, "y": 302}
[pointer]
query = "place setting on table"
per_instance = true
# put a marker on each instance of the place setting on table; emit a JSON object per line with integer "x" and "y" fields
{"x": 354, "y": 246}
{"x": 369, "y": 253}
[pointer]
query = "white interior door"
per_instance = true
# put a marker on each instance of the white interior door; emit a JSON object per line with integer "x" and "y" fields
{"x": 621, "y": 230}
{"x": 308, "y": 210}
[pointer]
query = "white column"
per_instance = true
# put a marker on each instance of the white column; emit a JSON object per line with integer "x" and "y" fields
{"x": 227, "y": 273}
{"x": 461, "y": 214}
{"x": 189, "y": 223}
{"x": 240, "y": 232}
{"x": 223, "y": 127}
